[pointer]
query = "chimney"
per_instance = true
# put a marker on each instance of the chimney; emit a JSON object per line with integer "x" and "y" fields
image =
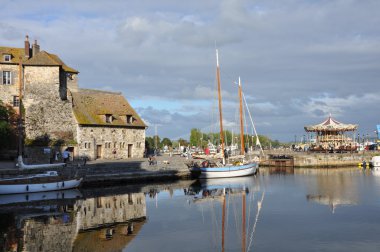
{"x": 27, "y": 47}
{"x": 35, "y": 48}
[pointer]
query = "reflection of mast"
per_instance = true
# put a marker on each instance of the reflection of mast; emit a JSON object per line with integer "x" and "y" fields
{"x": 223, "y": 217}
{"x": 259, "y": 205}
{"x": 243, "y": 220}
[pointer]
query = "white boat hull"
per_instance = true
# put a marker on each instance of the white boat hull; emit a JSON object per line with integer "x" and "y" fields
{"x": 23, "y": 166}
{"x": 227, "y": 171}
{"x": 42, "y": 187}
{"x": 375, "y": 161}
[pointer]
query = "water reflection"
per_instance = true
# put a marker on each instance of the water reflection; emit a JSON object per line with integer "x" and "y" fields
{"x": 333, "y": 187}
{"x": 278, "y": 210}
{"x": 236, "y": 204}
{"x": 66, "y": 221}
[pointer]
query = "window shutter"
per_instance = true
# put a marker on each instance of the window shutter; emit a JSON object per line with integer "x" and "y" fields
{"x": 1, "y": 78}
{"x": 13, "y": 77}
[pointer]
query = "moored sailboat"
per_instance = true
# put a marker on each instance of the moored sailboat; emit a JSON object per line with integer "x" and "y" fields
{"x": 238, "y": 166}
{"x": 40, "y": 182}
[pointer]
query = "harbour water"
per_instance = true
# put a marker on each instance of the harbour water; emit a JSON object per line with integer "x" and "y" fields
{"x": 277, "y": 210}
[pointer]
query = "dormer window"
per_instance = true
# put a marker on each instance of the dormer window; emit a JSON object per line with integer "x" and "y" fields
{"x": 7, "y": 58}
{"x": 129, "y": 119}
{"x": 108, "y": 118}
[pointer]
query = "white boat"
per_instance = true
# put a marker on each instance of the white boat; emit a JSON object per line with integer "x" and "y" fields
{"x": 41, "y": 182}
{"x": 375, "y": 161}
{"x": 23, "y": 166}
{"x": 209, "y": 169}
{"x": 226, "y": 171}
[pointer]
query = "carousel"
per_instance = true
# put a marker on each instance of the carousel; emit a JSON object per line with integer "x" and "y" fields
{"x": 333, "y": 136}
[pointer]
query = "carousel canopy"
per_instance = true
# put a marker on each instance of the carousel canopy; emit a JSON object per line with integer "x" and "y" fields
{"x": 331, "y": 124}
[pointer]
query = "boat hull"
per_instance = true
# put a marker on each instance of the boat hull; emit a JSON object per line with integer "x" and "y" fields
{"x": 375, "y": 161}
{"x": 39, "y": 196}
{"x": 225, "y": 171}
{"x": 40, "y": 187}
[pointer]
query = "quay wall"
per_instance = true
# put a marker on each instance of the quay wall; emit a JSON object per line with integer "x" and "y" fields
{"x": 317, "y": 160}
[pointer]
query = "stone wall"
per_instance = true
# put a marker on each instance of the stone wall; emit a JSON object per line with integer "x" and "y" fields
{"x": 45, "y": 111}
{"x": 97, "y": 212}
{"x": 112, "y": 141}
{"x": 8, "y": 91}
{"x": 50, "y": 233}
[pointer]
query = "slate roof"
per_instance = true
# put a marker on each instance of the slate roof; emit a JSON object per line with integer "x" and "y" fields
{"x": 40, "y": 59}
{"x": 330, "y": 124}
{"x": 91, "y": 106}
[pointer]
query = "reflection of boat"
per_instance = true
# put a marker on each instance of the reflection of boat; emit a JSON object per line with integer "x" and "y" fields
{"x": 39, "y": 196}
{"x": 228, "y": 192}
{"x": 65, "y": 222}
{"x": 41, "y": 182}
{"x": 238, "y": 166}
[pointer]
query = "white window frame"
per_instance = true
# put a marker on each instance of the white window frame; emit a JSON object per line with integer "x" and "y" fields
{"x": 7, "y": 78}
{"x": 16, "y": 101}
{"x": 7, "y": 58}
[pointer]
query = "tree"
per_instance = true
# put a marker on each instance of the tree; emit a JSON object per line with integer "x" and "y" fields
{"x": 166, "y": 141}
{"x": 8, "y": 127}
{"x": 149, "y": 144}
{"x": 195, "y": 137}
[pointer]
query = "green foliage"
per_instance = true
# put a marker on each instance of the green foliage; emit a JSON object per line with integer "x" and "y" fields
{"x": 166, "y": 141}
{"x": 8, "y": 127}
{"x": 214, "y": 138}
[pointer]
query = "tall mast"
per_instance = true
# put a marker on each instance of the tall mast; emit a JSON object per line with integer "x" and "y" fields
{"x": 242, "y": 147}
{"x": 220, "y": 101}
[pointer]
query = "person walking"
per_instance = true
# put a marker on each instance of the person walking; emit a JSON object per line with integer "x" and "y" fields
{"x": 66, "y": 155}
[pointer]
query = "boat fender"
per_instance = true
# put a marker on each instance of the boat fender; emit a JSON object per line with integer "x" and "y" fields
{"x": 63, "y": 183}
{"x": 205, "y": 164}
{"x": 27, "y": 188}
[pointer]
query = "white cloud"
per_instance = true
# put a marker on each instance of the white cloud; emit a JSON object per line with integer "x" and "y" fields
{"x": 298, "y": 59}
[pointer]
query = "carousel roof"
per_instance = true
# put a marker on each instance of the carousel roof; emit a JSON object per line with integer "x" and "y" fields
{"x": 330, "y": 124}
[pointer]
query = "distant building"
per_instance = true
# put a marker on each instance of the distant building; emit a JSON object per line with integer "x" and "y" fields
{"x": 333, "y": 136}
{"x": 92, "y": 123}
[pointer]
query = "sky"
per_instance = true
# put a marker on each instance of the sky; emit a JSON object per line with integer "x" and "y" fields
{"x": 299, "y": 60}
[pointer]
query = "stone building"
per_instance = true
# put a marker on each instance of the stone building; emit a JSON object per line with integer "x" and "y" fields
{"x": 90, "y": 123}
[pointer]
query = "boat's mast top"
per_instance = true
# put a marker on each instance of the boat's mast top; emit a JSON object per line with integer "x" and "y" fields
{"x": 217, "y": 58}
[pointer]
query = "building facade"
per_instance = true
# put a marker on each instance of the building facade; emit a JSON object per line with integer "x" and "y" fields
{"x": 89, "y": 122}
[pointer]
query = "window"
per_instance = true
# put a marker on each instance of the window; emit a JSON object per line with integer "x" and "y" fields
{"x": 108, "y": 118}
{"x": 7, "y": 78}
{"x": 16, "y": 101}
{"x": 7, "y": 57}
{"x": 129, "y": 119}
